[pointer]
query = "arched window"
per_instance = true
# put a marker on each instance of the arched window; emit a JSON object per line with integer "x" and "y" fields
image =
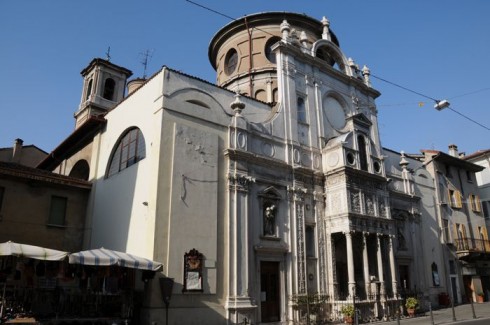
{"x": 109, "y": 87}
{"x": 129, "y": 150}
{"x": 361, "y": 142}
{"x": 268, "y": 48}
{"x": 80, "y": 170}
{"x": 89, "y": 89}
{"x": 231, "y": 61}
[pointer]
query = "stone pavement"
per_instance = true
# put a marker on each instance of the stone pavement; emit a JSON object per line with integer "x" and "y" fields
{"x": 445, "y": 315}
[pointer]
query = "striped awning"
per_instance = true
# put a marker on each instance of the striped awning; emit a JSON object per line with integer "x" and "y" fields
{"x": 107, "y": 257}
{"x": 30, "y": 251}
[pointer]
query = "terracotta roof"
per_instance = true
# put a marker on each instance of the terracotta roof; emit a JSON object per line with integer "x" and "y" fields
{"x": 21, "y": 171}
{"x": 451, "y": 160}
{"x": 477, "y": 154}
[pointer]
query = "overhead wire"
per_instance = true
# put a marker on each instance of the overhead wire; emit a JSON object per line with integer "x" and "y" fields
{"x": 374, "y": 76}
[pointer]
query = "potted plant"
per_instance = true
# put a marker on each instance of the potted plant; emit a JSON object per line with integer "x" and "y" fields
{"x": 480, "y": 297}
{"x": 348, "y": 312}
{"x": 411, "y": 303}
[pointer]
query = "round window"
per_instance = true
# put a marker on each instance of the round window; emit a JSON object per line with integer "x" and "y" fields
{"x": 268, "y": 48}
{"x": 350, "y": 158}
{"x": 333, "y": 113}
{"x": 231, "y": 61}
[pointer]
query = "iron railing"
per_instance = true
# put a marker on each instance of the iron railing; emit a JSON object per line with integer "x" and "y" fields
{"x": 472, "y": 245}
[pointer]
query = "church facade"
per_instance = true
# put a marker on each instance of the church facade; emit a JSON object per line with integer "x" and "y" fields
{"x": 256, "y": 192}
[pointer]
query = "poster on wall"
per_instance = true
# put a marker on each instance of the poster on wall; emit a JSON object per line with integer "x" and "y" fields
{"x": 193, "y": 261}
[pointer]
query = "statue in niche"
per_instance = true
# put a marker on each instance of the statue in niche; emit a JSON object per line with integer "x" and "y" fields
{"x": 269, "y": 220}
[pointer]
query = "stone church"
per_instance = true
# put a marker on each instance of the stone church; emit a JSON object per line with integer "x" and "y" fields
{"x": 267, "y": 187}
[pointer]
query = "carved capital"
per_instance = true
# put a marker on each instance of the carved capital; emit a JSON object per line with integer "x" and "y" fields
{"x": 240, "y": 182}
{"x": 296, "y": 193}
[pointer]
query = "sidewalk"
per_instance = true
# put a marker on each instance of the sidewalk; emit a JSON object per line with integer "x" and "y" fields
{"x": 445, "y": 315}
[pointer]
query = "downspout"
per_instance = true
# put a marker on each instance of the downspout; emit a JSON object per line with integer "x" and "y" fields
{"x": 250, "y": 60}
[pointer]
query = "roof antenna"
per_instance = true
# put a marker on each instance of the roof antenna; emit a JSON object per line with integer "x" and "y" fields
{"x": 145, "y": 61}
{"x": 108, "y": 54}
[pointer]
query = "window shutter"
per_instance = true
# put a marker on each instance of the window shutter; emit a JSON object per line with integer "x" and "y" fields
{"x": 477, "y": 203}
{"x": 458, "y": 199}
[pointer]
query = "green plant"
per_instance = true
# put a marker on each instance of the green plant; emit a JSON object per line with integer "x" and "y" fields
{"x": 480, "y": 293}
{"x": 411, "y": 303}
{"x": 347, "y": 310}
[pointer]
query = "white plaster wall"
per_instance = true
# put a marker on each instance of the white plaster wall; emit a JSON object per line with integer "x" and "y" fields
{"x": 124, "y": 204}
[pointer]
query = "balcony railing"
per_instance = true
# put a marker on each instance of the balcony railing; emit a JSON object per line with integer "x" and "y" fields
{"x": 472, "y": 245}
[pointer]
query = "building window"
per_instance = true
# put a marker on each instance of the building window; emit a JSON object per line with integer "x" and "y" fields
{"x": 468, "y": 177}
{"x": 268, "y": 48}
{"x": 447, "y": 238}
{"x": 57, "y": 211}
{"x": 231, "y": 61}
{"x": 475, "y": 203}
{"x": 89, "y": 89}
{"x": 310, "y": 241}
{"x": 2, "y": 193}
{"x": 301, "y": 113}
{"x": 129, "y": 150}
{"x": 485, "y": 205}
{"x": 109, "y": 87}
{"x": 455, "y": 198}
{"x": 361, "y": 142}
{"x": 452, "y": 267}
{"x": 435, "y": 275}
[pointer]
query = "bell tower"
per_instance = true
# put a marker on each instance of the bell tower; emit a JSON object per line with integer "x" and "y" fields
{"x": 103, "y": 88}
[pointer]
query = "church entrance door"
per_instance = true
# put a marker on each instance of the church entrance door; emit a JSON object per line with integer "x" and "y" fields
{"x": 269, "y": 292}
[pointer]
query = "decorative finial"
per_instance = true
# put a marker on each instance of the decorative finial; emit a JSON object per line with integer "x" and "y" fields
{"x": 403, "y": 162}
{"x": 285, "y": 27}
{"x": 326, "y": 29}
{"x": 366, "y": 73}
{"x": 237, "y": 105}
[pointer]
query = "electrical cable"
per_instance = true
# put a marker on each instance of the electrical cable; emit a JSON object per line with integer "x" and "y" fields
{"x": 469, "y": 119}
{"x": 374, "y": 76}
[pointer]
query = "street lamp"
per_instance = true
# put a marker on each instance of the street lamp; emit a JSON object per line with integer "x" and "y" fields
{"x": 441, "y": 104}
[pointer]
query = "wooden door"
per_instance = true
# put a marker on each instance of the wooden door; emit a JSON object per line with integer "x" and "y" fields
{"x": 269, "y": 292}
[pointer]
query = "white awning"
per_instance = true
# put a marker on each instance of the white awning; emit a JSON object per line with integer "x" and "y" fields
{"x": 36, "y": 252}
{"x": 104, "y": 256}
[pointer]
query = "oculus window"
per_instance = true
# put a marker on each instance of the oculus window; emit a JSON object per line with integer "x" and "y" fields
{"x": 231, "y": 61}
{"x": 268, "y": 48}
{"x": 128, "y": 151}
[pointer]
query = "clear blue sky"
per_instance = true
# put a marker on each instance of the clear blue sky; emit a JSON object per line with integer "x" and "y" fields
{"x": 440, "y": 48}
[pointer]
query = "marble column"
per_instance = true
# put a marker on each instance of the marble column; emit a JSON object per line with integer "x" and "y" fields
{"x": 380, "y": 265}
{"x": 350, "y": 263}
{"x": 392, "y": 267}
{"x": 365, "y": 260}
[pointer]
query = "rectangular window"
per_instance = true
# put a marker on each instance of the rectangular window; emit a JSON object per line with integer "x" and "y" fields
{"x": 452, "y": 267}
{"x": 485, "y": 206}
{"x": 455, "y": 198}
{"x": 301, "y": 110}
{"x": 2, "y": 192}
{"x": 475, "y": 203}
{"x": 57, "y": 211}
{"x": 310, "y": 241}
{"x": 447, "y": 236}
{"x": 468, "y": 177}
